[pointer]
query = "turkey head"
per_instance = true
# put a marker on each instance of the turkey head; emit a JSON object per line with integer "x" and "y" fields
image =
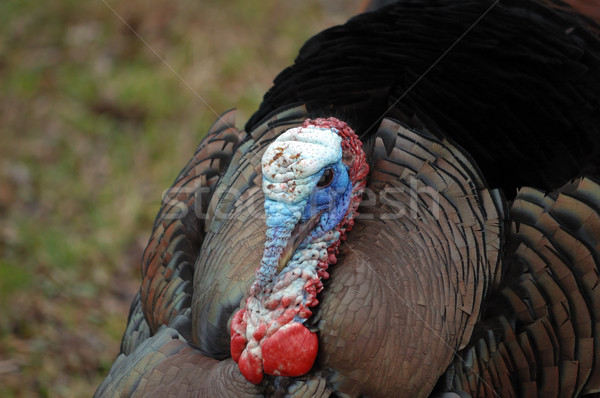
{"x": 313, "y": 181}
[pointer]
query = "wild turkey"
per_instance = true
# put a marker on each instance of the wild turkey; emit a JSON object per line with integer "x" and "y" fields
{"x": 356, "y": 238}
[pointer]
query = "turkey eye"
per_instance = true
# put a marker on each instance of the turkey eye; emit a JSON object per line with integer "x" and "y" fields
{"x": 326, "y": 178}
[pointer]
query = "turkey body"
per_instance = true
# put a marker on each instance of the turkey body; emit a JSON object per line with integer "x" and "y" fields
{"x": 473, "y": 264}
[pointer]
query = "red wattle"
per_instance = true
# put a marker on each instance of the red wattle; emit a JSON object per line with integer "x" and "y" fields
{"x": 250, "y": 367}
{"x": 291, "y": 351}
{"x": 237, "y": 346}
{"x": 238, "y": 341}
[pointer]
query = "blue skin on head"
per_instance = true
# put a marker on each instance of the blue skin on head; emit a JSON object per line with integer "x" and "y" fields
{"x": 333, "y": 199}
{"x": 331, "y": 196}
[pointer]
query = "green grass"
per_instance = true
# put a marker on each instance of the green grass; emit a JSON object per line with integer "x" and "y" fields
{"x": 93, "y": 127}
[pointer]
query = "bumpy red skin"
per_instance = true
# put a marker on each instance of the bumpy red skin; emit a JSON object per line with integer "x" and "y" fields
{"x": 292, "y": 350}
{"x": 238, "y": 341}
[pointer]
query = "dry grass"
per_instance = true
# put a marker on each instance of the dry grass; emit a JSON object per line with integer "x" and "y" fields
{"x": 93, "y": 127}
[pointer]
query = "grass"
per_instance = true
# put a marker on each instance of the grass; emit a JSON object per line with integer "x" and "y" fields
{"x": 93, "y": 127}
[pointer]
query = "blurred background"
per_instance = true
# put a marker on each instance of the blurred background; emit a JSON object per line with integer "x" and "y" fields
{"x": 94, "y": 126}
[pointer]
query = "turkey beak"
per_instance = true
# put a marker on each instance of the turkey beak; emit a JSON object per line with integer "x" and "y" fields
{"x": 300, "y": 232}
